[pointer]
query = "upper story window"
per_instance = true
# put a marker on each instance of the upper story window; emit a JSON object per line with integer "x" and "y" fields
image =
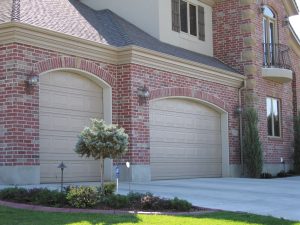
{"x": 275, "y": 54}
{"x": 188, "y": 18}
{"x": 269, "y": 35}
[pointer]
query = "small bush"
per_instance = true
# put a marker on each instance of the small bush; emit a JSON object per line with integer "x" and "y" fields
{"x": 37, "y": 196}
{"x": 115, "y": 201}
{"x": 149, "y": 201}
{"x": 13, "y": 194}
{"x": 282, "y": 174}
{"x": 109, "y": 188}
{"x": 180, "y": 205}
{"x": 266, "y": 176}
{"x": 82, "y": 197}
{"x": 291, "y": 172}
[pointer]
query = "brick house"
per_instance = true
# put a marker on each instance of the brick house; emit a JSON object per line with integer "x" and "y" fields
{"x": 65, "y": 61}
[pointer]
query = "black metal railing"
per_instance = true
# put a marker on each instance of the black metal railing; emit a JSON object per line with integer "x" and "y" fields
{"x": 276, "y": 55}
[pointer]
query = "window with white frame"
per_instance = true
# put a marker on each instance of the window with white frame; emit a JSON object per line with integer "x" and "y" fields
{"x": 273, "y": 115}
{"x": 188, "y": 18}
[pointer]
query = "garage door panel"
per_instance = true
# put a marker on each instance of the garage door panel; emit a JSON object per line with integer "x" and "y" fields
{"x": 187, "y": 170}
{"x": 190, "y": 122}
{"x": 198, "y": 151}
{"x": 70, "y": 101}
{"x": 185, "y": 140}
{"x": 65, "y": 122}
{"x": 177, "y": 136}
{"x": 67, "y": 102}
{"x": 183, "y": 106}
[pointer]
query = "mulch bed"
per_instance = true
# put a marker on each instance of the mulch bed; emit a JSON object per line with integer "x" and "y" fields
{"x": 197, "y": 210}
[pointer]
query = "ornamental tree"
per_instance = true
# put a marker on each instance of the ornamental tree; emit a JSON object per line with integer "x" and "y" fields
{"x": 102, "y": 141}
{"x": 297, "y": 144}
{"x": 252, "y": 146}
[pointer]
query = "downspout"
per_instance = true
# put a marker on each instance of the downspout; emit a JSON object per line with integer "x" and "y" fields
{"x": 241, "y": 124}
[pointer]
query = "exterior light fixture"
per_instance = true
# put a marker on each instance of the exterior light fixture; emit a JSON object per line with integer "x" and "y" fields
{"x": 62, "y": 166}
{"x": 32, "y": 79}
{"x": 262, "y": 9}
{"x": 285, "y": 21}
{"x": 239, "y": 110}
{"x": 143, "y": 92}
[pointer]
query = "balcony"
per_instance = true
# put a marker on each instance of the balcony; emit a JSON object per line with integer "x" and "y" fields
{"x": 277, "y": 65}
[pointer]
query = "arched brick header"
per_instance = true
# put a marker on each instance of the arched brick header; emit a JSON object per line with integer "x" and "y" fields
{"x": 76, "y": 63}
{"x": 188, "y": 92}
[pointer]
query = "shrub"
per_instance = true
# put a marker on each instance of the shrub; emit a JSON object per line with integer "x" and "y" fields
{"x": 82, "y": 197}
{"x": 282, "y": 173}
{"x": 46, "y": 197}
{"x": 134, "y": 199}
{"x": 252, "y": 146}
{"x": 109, "y": 188}
{"x": 297, "y": 144}
{"x": 266, "y": 175}
{"x": 14, "y": 194}
{"x": 37, "y": 196}
{"x": 148, "y": 201}
{"x": 180, "y": 205}
{"x": 115, "y": 201}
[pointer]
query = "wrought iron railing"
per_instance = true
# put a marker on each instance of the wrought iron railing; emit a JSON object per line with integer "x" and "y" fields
{"x": 276, "y": 55}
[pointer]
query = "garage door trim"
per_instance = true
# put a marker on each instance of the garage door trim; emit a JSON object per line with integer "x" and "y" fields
{"x": 107, "y": 104}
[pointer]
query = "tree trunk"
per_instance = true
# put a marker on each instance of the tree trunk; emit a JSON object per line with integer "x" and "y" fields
{"x": 102, "y": 173}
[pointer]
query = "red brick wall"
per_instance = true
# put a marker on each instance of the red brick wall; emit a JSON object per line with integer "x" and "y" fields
{"x": 230, "y": 42}
{"x": 19, "y": 121}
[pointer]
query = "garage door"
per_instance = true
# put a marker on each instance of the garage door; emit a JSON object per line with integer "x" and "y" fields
{"x": 185, "y": 140}
{"x": 67, "y": 102}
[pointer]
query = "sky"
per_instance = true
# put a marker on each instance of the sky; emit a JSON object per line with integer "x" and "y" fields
{"x": 295, "y": 21}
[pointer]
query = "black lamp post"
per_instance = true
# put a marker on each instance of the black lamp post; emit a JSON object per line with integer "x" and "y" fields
{"x": 62, "y": 166}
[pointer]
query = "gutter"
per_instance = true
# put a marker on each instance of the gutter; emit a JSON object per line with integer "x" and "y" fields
{"x": 240, "y": 111}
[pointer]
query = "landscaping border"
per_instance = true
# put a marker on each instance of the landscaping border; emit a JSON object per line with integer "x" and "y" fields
{"x": 71, "y": 210}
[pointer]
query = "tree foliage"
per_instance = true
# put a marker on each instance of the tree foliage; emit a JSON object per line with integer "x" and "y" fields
{"x": 253, "y": 159}
{"x": 297, "y": 144}
{"x": 102, "y": 141}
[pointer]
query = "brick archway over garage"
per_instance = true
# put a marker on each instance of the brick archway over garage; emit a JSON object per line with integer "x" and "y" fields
{"x": 189, "y": 93}
{"x": 74, "y": 63}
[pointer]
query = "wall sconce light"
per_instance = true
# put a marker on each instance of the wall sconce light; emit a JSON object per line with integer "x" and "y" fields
{"x": 143, "y": 92}
{"x": 32, "y": 79}
{"x": 285, "y": 21}
{"x": 239, "y": 110}
{"x": 262, "y": 8}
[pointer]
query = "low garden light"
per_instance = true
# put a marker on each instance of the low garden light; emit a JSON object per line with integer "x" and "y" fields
{"x": 62, "y": 166}
{"x": 128, "y": 167}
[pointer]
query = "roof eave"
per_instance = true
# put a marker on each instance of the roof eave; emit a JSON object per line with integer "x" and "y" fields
{"x": 291, "y": 7}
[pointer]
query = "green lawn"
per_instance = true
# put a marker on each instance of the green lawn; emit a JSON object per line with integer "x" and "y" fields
{"x": 10, "y": 216}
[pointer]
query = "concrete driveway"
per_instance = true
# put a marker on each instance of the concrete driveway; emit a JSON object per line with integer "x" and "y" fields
{"x": 275, "y": 197}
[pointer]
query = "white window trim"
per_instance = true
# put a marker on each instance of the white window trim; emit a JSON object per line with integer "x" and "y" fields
{"x": 188, "y": 20}
{"x": 279, "y": 116}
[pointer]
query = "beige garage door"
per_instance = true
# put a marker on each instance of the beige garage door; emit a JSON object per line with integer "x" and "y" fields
{"x": 185, "y": 140}
{"x": 67, "y": 102}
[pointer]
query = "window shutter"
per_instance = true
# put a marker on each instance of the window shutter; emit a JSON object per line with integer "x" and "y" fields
{"x": 201, "y": 23}
{"x": 175, "y": 16}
